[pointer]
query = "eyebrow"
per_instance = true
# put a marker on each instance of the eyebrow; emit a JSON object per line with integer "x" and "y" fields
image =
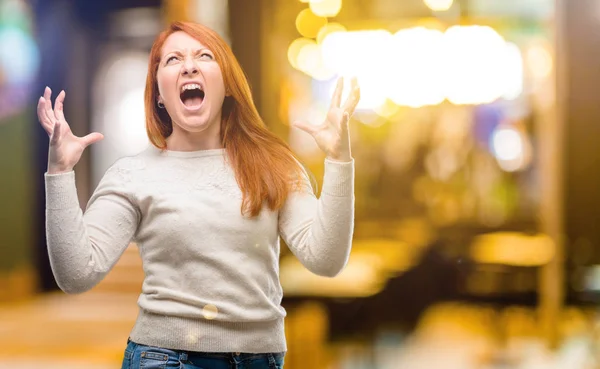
{"x": 178, "y": 52}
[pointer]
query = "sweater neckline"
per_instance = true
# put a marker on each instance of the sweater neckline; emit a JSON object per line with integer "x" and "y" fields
{"x": 188, "y": 154}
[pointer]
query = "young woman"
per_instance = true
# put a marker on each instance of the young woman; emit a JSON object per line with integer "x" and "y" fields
{"x": 206, "y": 204}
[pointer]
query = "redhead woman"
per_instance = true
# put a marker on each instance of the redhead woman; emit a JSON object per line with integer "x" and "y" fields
{"x": 207, "y": 203}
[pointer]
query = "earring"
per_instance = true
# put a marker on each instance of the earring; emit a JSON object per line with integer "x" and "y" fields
{"x": 160, "y": 104}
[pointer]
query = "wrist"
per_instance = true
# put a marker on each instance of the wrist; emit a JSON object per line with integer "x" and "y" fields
{"x": 58, "y": 170}
{"x": 340, "y": 158}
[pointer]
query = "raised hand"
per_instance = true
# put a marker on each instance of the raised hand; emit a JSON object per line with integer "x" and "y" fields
{"x": 333, "y": 136}
{"x": 65, "y": 148}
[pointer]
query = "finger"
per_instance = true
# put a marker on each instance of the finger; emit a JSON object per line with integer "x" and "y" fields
{"x": 91, "y": 138}
{"x": 353, "y": 99}
{"x": 48, "y": 97}
{"x": 41, "y": 112}
{"x": 306, "y": 127}
{"x": 58, "y": 106}
{"x": 337, "y": 94}
{"x": 55, "y": 133}
{"x": 48, "y": 105}
{"x": 49, "y": 118}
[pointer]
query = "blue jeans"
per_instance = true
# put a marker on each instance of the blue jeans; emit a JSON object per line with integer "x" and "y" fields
{"x": 149, "y": 357}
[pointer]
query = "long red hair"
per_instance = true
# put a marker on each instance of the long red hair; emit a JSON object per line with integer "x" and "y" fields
{"x": 265, "y": 167}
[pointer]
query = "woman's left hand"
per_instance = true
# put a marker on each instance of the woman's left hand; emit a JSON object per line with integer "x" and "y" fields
{"x": 333, "y": 135}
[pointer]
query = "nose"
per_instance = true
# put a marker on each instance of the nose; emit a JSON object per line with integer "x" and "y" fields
{"x": 189, "y": 67}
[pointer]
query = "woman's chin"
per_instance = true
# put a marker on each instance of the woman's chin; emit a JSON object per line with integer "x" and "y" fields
{"x": 195, "y": 124}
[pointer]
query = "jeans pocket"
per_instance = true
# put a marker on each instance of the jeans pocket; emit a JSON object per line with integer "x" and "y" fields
{"x": 158, "y": 358}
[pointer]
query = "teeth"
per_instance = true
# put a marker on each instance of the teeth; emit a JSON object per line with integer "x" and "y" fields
{"x": 191, "y": 86}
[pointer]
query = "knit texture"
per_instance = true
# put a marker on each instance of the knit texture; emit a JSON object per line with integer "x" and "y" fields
{"x": 211, "y": 275}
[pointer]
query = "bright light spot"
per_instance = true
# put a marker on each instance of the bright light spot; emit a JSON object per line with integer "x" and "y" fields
{"x": 513, "y": 72}
{"x": 539, "y": 61}
{"x": 326, "y": 8}
{"x": 387, "y": 110}
{"x": 339, "y": 52}
{"x": 511, "y": 148}
{"x": 473, "y": 58}
{"x": 210, "y": 312}
{"x": 118, "y": 109}
{"x": 19, "y": 57}
{"x": 507, "y": 144}
{"x": 308, "y": 58}
{"x": 294, "y": 50}
{"x": 328, "y": 29}
{"x": 133, "y": 118}
{"x": 310, "y": 61}
{"x": 415, "y": 68}
{"x": 513, "y": 249}
{"x": 438, "y": 5}
{"x": 309, "y": 24}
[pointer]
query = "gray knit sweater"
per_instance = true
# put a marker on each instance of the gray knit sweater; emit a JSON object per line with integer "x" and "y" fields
{"x": 211, "y": 275}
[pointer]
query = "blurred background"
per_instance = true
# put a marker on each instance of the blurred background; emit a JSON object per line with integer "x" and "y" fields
{"x": 477, "y": 183}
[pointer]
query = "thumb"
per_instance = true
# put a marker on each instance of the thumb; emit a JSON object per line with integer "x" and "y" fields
{"x": 92, "y": 138}
{"x": 306, "y": 127}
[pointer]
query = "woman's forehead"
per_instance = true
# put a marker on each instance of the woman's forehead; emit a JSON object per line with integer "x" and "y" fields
{"x": 181, "y": 41}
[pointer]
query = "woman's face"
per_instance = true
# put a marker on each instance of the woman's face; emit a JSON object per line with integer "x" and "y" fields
{"x": 190, "y": 85}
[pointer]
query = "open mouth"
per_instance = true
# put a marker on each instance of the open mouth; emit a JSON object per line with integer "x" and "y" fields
{"x": 192, "y": 95}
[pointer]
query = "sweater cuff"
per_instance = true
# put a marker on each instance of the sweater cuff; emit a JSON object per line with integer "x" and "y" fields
{"x": 61, "y": 192}
{"x": 338, "y": 179}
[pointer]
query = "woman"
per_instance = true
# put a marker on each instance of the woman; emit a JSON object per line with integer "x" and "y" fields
{"x": 206, "y": 204}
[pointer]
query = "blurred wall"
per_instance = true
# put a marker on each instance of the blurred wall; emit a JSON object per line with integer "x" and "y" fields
{"x": 580, "y": 52}
{"x": 19, "y": 63}
{"x": 16, "y": 196}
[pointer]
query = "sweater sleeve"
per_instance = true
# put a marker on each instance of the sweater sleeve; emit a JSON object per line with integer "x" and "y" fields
{"x": 83, "y": 247}
{"x": 319, "y": 231}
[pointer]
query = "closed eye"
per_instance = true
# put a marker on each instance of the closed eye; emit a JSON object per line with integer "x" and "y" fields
{"x": 205, "y": 56}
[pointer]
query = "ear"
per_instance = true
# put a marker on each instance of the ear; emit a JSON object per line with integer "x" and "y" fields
{"x": 159, "y": 100}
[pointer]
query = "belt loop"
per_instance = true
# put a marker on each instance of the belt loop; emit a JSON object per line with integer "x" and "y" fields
{"x": 183, "y": 356}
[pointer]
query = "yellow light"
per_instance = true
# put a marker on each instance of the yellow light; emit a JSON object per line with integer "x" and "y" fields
{"x": 294, "y": 50}
{"x": 513, "y": 72}
{"x": 474, "y": 58}
{"x": 310, "y": 61}
{"x": 328, "y": 29}
{"x": 309, "y": 57}
{"x": 369, "y": 65}
{"x": 326, "y": 8}
{"x": 415, "y": 70}
{"x": 539, "y": 61}
{"x": 511, "y": 248}
{"x": 305, "y": 55}
{"x": 309, "y": 24}
{"x": 420, "y": 66}
{"x": 438, "y": 5}
{"x": 387, "y": 109}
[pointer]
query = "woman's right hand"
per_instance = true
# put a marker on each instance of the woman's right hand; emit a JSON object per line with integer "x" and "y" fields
{"x": 65, "y": 148}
